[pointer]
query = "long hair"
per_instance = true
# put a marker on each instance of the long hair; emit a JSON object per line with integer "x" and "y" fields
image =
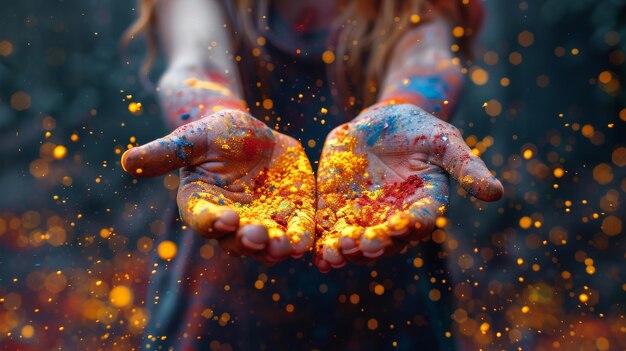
{"x": 362, "y": 37}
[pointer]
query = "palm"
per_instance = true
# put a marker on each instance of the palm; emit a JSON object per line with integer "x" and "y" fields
{"x": 383, "y": 179}
{"x": 242, "y": 183}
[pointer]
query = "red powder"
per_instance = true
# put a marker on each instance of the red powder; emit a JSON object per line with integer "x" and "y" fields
{"x": 393, "y": 196}
{"x": 279, "y": 219}
{"x": 253, "y": 145}
{"x": 260, "y": 179}
{"x": 250, "y": 146}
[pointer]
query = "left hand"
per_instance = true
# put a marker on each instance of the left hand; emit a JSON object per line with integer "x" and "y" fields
{"x": 383, "y": 180}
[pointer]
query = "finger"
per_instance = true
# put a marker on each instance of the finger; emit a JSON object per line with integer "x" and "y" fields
{"x": 374, "y": 241}
{"x": 322, "y": 264}
{"x": 329, "y": 254}
{"x": 253, "y": 237}
{"x": 415, "y": 217}
{"x": 418, "y": 221}
{"x": 207, "y": 218}
{"x": 299, "y": 232}
{"x": 468, "y": 169}
{"x": 349, "y": 241}
{"x": 279, "y": 247}
{"x": 187, "y": 145}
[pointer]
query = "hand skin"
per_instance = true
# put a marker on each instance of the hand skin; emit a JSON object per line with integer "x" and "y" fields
{"x": 383, "y": 177}
{"x": 383, "y": 180}
{"x": 240, "y": 182}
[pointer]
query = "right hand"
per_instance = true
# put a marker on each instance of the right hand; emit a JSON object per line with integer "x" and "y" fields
{"x": 242, "y": 183}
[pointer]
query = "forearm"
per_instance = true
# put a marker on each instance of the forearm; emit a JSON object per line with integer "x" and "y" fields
{"x": 423, "y": 72}
{"x": 201, "y": 75}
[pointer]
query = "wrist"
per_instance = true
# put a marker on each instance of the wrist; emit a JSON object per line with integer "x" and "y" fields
{"x": 188, "y": 93}
{"x": 440, "y": 108}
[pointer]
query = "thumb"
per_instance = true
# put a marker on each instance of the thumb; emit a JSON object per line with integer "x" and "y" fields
{"x": 468, "y": 169}
{"x": 185, "y": 146}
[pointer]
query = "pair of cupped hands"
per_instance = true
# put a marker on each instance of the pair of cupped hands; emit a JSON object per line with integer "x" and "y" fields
{"x": 382, "y": 182}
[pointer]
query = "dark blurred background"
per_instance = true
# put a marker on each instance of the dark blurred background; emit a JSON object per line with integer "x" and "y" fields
{"x": 544, "y": 105}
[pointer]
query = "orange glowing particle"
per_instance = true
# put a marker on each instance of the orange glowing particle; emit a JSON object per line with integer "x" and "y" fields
{"x": 525, "y": 38}
{"x": 167, "y": 250}
{"x": 372, "y": 324}
{"x": 121, "y": 296}
{"x": 171, "y": 182}
{"x": 605, "y": 77}
{"x": 379, "y": 289}
{"x": 135, "y": 108}
{"x": 28, "y": 331}
{"x": 527, "y": 154}
{"x": 458, "y": 31}
{"x": 328, "y": 57}
{"x": 515, "y": 58}
{"x": 479, "y": 76}
{"x": 268, "y": 104}
{"x": 525, "y": 222}
{"x": 74, "y": 137}
{"x": 105, "y": 232}
{"x": 558, "y": 172}
{"x": 289, "y": 308}
{"x": 603, "y": 344}
{"x": 438, "y": 236}
{"x": 20, "y": 101}
{"x": 603, "y": 173}
{"x": 525, "y": 309}
{"x": 611, "y": 225}
{"x": 588, "y": 130}
{"x": 6, "y": 48}
{"x": 493, "y": 108}
{"x": 583, "y": 298}
{"x": 441, "y": 222}
{"x": 434, "y": 295}
{"x": 415, "y": 18}
{"x": 354, "y": 299}
{"x": 59, "y": 152}
{"x": 418, "y": 262}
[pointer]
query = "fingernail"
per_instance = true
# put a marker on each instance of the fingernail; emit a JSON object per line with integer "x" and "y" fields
{"x": 124, "y": 160}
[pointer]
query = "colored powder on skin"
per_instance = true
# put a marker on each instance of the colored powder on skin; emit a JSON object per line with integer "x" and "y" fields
{"x": 282, "y": 197}
{"x": 252, "y": 145}
{"x": 180, "y": 144}
{"x": 376, "y": 129}
{"x": 348, "y": 199}
{"x": 376, "y": 207}
{"x": 350, "y": 206}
